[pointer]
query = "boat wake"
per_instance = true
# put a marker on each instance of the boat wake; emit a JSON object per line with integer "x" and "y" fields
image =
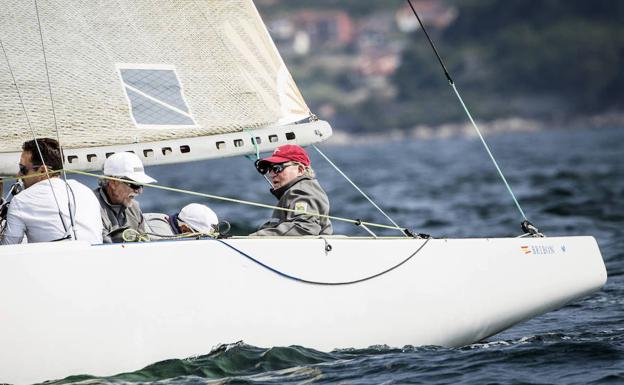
{"x": 241, "y": 363}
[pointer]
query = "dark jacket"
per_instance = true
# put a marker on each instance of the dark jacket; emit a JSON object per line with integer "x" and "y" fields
{"x": 118, "y": 216}
{"x": 305, "y": 195}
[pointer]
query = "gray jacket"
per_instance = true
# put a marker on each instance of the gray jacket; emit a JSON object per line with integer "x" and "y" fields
{"x": 118, "y": 216}
{"x": 305, "y": 195}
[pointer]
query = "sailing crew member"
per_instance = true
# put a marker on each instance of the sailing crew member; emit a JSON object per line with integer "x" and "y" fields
{"x": 41, "y": 212}
{"x": 119, "y": 210}
{"x": 194, "y": 218}
{"x": 296, "y": 188}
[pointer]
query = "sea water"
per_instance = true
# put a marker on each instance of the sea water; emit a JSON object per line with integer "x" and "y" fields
{"x": 567, "y": 183}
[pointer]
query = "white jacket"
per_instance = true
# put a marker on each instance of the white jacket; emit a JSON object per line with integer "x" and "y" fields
{"x": 35, "y": 213}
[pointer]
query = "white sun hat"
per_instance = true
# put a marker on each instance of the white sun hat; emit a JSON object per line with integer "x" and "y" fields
{"x": 199, "y": 217}
{"x": 128, "y": 165}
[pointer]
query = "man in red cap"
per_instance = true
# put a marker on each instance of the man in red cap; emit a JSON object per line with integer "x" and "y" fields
{"x": 297, "y": 189}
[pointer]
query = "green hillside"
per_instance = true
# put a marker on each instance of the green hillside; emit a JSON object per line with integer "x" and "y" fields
{"x": 548, "y": 59}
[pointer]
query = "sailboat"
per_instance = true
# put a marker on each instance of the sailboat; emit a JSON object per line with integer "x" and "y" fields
{"x": 181, "y": 81}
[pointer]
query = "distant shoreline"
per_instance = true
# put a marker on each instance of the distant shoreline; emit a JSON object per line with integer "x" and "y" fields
{"x": 465, "y": 129}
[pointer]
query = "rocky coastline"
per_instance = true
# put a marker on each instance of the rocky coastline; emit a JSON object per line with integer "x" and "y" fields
{"x": 465, "y": 129}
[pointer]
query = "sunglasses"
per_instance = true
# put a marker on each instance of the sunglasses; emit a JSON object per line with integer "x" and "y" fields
{"x": 275, "y": 167}
{"x": 132, "y": 185}
{"x": 23, "y": 170}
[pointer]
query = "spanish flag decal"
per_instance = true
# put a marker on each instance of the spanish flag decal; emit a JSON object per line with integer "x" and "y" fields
{"x": 525, "y": 249}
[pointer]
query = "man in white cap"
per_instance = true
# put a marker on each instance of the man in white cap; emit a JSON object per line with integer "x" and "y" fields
{"x": 117, "y": 205}
{"x": 194, "y": 218}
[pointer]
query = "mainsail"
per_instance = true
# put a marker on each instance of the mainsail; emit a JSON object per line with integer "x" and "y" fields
{"x": 123, "y": 72}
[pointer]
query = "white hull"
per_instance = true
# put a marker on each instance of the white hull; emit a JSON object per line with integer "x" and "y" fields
{"x": 70, "y": 308}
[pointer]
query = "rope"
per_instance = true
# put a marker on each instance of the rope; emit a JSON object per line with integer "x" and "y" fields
{"x": 56, "y": 129}
{"x": 240, "y": 201}
{"x": 16, "y": 178}
{"x": 47, "y": 173}
{"x": 282, "y": 274}
{"x": 257, "y": 148}
{"x": 183, "y": 236}
{"x": 358, "y": 189}
{"x": 452, "y": 83}
{"x": 253, "y": 141}
{"x": 136, "y": 236}
{"x": 487, "y": 148}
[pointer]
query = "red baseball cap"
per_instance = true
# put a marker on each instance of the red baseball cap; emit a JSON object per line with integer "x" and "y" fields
{"x": 286, "y": 153}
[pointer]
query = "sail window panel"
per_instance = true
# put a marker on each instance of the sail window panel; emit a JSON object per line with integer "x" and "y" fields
{"x": 145, "y": 111}
{"x": 156, "y": 97}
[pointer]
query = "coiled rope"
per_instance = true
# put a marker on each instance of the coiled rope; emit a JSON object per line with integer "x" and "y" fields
{"x": 132, "y": 235}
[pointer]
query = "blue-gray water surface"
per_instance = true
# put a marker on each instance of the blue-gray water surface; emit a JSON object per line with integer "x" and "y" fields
{"x": 568, "y": 183}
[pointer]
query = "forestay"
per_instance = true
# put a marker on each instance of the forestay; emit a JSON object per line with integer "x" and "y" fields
{"x": 142, "y": 71}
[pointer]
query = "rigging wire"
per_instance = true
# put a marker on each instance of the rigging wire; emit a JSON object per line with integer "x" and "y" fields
{"x": 45, "y": 167}
{"x": 404, "y": 231}
{"x": 452, "y": 83}
{"x": 58, "y": 136}
{"x": 358, "y": 189}
{"x": 257, "y": 149}
{"x": 248, "y": 203}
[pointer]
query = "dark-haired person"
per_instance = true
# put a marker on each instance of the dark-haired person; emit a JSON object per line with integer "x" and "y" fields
{"x": 41, "y": 210}
{"x": 119, "y": 210}
{"x": 297, "y": 189}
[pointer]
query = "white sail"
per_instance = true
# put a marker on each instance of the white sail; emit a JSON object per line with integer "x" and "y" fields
{"x": 123, "y": 72}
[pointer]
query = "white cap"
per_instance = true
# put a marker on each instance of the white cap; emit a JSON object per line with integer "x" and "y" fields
{"x": 126, "y": 164}
{"x": 199, "y": 217}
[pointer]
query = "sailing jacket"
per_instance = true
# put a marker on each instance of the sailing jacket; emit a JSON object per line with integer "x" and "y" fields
{"x": 161, "y": 226}
{"x": 304, "y": 195}
{"x": 115, "y": 217}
